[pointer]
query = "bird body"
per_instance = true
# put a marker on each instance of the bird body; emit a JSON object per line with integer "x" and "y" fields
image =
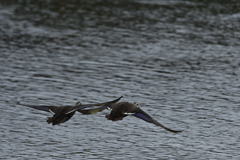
{"x": 62, "y": 114}
{"x": 120, "y": 110}
{"x": 123, "y": 109}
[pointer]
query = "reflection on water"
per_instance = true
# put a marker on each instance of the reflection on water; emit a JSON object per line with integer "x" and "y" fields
{"x": 177, "y": 59}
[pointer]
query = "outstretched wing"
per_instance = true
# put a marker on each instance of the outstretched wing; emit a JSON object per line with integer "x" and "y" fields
{"x": 144, "y": 116}
{"x": 52, "y": 109}
{"x": 103, "y": 105}
{"x": 91, "y": 111}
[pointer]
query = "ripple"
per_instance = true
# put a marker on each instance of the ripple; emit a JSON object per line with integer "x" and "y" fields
{"x": 177, "y": 59}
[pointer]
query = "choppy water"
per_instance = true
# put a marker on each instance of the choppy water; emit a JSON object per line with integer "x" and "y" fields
{"x": 178, "y": 59}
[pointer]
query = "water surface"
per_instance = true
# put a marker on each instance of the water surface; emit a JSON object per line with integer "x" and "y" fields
{"x": 178, "y": 59}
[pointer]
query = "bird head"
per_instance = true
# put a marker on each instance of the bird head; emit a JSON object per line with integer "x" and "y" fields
{"x": 136, "y": 104}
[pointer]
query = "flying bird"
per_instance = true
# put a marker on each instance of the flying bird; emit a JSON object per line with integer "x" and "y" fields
{"x": 62, "y": 114}
{"x": 123, "y": 109}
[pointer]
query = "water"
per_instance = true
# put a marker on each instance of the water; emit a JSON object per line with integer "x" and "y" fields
{"x": 178, "y": 59}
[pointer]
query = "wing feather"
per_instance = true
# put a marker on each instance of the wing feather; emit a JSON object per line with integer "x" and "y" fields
{"x": 103, "y": 105}
{"x": 144, "y": 116}
{"x": 90, "y": 111}
{"x": 52, "y": 109}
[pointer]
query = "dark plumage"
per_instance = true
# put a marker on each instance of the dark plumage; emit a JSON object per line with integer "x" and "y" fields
{"x": 64, "y": 113}
{"x": 123, "y": 109}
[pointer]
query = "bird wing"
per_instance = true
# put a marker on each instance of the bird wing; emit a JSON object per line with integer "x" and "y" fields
{"x": 144, "y": 116}
{"x": 103, "y": 105}
{"x": 52, "y": 109}
{"x": 91, "y": 111}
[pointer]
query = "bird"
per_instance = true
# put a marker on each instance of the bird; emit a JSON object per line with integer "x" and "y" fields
{"x": 122, "y": 109}
{"x": 62, "y": 114}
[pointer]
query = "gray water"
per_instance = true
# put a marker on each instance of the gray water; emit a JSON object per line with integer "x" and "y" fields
{"x": 178, "y": 59}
